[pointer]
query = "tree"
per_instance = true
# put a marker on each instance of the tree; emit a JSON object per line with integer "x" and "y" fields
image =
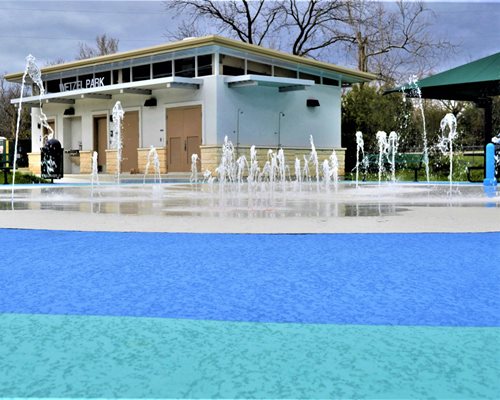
{"x": 309, "y": 24}
{"x": 103, "y": 45}
{"x": 55, "y": 61}
{"x": 385, "y": 38}
{"x": 249, "y": 21}
{"x": 366, "y": 109}
{"x": 391, "y": 41}
{"x": 8, "y": 112}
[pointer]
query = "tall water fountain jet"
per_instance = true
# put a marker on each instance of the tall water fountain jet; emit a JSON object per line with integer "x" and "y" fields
{"x": 226, "y": 170}
{"x": 281, "y": 166}
{"x": 94, "y": 178}
{"x": 297, "y": 183}
{"x": 326, "y": 173}
{"x": 393, "y": 143}
{"x": 35, "y": 74}
{"x": 194, "y": 168}
{"x": 253, "y": 172}
{"x": 334, "y": 168}
{"x": 331, "y": 171}
{"x": 383, "y": 147}
{"x": 241, "y": 164}
{"x": 314, "y": 158}
{"x": 153, "y": 158}
{"x": 445, "y": 144}
{"x": 418, "y": 94}
{"x": 360, "y": 144}
{"x": 116, "y": 142}
{"x": 307, "y": 174}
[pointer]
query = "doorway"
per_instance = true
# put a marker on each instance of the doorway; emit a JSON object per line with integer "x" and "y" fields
{"x": 184, "y": 136}
{"x": 101, "y": 140}
{"x": 130, "y": 141}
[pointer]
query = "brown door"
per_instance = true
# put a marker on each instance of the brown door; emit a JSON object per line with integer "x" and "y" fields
{"x": 130, "y": 141}
{"x": 101, "y": 140}
{"x": 184, "y": 137}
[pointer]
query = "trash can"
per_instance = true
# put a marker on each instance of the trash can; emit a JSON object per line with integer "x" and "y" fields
{"x": 52, "y": 160}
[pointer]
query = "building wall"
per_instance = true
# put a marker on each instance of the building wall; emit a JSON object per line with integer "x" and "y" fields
{"x": 261, "y": 107}
{"x": 152, "y": 119}
{"x": 258, "y": 125}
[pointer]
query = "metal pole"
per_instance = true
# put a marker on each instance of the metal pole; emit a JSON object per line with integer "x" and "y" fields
{"x": 488, "y": 126}
{"x": 238, "y": 132}
{"x": 281, "y": 114}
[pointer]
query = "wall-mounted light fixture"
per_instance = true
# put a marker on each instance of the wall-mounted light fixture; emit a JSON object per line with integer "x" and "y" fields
{"x": 312, "y": 103}
{"x": 69, "y": 111}
{"x": 151, "y": 102}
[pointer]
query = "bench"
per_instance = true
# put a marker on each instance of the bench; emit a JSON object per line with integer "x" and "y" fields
{"x": 6, "y": 168}
{"x": 413, "y": 161}
{"x": 470, "y": 168}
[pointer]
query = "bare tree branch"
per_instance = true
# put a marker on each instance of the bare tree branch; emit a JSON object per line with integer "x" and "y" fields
{"x": 389, "y": 39}
{"x": 248, "y": 21}
{"x": 103, "y": 45}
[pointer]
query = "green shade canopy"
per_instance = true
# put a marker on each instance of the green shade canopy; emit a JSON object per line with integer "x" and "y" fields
{"x": 477, "y": 81}
{"x": 474, "y": 81}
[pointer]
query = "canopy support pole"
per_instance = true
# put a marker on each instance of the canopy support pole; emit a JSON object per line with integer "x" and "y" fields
{"x": 486, "y": 104}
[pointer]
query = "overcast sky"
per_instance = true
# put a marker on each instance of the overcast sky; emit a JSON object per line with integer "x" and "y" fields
{"x": 51, "y": 30}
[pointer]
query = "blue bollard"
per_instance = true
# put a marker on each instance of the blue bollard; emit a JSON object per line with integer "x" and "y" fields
{"x": 490, "y": 180}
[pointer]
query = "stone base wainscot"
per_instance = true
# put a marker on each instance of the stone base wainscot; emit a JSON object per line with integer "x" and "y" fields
{"x": 211, "y": 155}
{"x": 34, "y": 163}
{"x": 142, "y": 155}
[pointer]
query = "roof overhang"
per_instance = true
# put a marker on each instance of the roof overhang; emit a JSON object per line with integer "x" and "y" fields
{"x": 346, "y": 75}
{"x": 283, "y": 84}
{"x": 144, "y": 88}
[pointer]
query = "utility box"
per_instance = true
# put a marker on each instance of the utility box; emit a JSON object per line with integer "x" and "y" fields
{"x": 4, "y": 152}
{"x": 52, "y": 160}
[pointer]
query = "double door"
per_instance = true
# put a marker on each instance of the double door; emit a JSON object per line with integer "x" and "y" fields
{"x": 184, "y": 137}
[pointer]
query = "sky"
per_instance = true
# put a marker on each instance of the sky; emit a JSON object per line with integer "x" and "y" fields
{"x": 52, "y": 30}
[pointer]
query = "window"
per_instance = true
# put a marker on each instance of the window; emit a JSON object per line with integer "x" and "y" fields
{"x": 53, "y": 86}
{"x": 330, "y": 82}
{"x": 284, "y": 72}
{"x": 162, "y": 69}
{"x": 141, "y": 73}
{"x": 85, "y": 80}
{"x": 71, "y": 83}
{"x": 205, "y": 65}
{"x": 125, "y": 75}
{"x": 185, "y": 67}
{"x": 116, "y": 77}
{"x": 310, "y": 77}
{"x": 232, "y": 66}
{"x": 258, "y": 68}
{"x": 105, "y": 76}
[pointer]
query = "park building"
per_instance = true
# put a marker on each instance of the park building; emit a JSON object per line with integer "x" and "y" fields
{"x": 185, "y": 97}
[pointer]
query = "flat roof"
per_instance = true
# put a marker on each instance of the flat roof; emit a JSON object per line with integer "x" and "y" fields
{"x": 352, "y": 74}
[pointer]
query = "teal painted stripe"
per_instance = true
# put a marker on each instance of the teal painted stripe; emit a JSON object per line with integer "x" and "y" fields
{"x": 121, "y": 357}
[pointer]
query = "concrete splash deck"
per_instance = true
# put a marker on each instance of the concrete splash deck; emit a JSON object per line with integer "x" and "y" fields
{"x": 203, "y": 208}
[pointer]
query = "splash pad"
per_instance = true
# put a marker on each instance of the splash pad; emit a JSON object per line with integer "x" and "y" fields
{"x": 204, "y": 207}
